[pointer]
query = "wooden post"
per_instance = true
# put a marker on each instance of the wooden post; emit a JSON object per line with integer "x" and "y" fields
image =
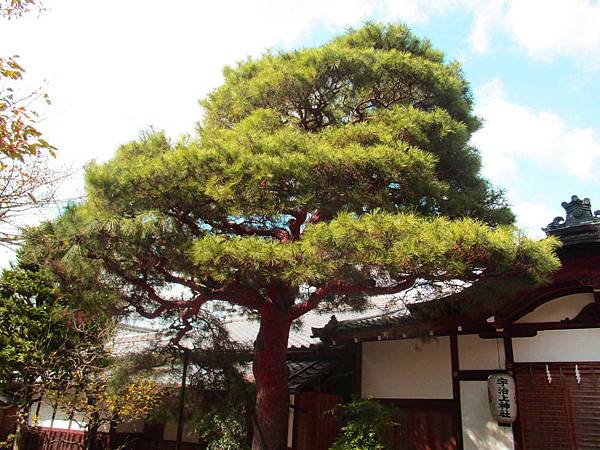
{"x": 37, "y": 412}
{"x": 54, "y": 408}
{"x": 180, "y": 418}
{"x": 457, "y": 411}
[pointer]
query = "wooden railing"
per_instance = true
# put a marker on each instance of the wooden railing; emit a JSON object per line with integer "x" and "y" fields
{"x": 53, "y": 439}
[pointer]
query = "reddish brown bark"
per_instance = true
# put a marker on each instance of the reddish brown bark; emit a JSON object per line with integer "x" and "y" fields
{"x": 271, "y": 376}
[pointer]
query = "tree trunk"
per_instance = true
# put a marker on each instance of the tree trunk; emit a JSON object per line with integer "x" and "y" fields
{"x": 92, "y": 436}
{"x": 271, "y": 377}
{"x": 19, "y": 439}
{"x": 22, "y": 421}
{"x": 112, "y": 429}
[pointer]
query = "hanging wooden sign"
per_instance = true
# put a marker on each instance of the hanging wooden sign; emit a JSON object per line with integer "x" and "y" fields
{"x": 503, "y": 398}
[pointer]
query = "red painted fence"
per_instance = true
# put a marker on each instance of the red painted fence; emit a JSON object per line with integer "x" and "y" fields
{"x": 52, "y": 439}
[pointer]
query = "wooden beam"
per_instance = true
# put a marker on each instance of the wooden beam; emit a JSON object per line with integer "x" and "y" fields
{"x": 510, "y": 362}
{"x": 477, "y": 375}
{"x": 358, "y": 352}
{"x": 180, "y": 416}
{"x": 456, "y": 389}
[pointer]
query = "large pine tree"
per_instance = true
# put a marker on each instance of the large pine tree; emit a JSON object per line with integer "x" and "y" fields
{"x": 318, "y": 176}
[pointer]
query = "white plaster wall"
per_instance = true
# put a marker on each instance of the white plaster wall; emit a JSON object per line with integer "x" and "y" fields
{"x": 43, "y": 417}
{"x": 61, "y": 419}
{"x": 475, "y": 353}
{"x": 78, "y": 422}
{"x": 562, "y": 308}
{"x": 407, "y": 369}
{"x": 559, "y": 346}
{"x": 480, "y": 430}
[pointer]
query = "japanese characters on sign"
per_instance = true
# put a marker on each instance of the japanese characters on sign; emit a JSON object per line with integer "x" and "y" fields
{"x": 502, "y": 397}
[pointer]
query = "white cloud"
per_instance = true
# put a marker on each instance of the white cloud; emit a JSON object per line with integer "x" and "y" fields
{"x": 550, "y": 28}
{"x": 531, "y": 217}
{"x": 116, "y": 67}
{"x": 487, "y": 16}
{"x": 417, "y": 11}
{"x": 514, "y": 132}
{"x": 544, "y": 28}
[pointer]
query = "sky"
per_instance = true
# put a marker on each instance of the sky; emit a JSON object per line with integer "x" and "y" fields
{"x": 115, "y": 68}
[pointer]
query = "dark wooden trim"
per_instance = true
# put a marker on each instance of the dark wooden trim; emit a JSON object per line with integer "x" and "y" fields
{"x": 358, "y": 363}
{"x": 531, "y": 329}
{"x": 509, "y": 356}
{"x": 420, "y": 403}
{"x": 544, "y": 363}
{"x": 477, "y": 375}
{"x": 456, "y": 390}
{"x": 295, "y": 425}
{"x": 517, "y": 312}
{"x": 484, "y": 330}
{"x": 521, "y": 328}
{"x": 522, "y": 332}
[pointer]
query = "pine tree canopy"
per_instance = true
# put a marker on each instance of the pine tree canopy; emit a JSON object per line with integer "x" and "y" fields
{"x": 317, "y": 175}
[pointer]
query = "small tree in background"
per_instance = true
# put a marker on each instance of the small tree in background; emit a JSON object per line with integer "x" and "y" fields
{"x": 19, "y": 137}
{"x": 220, "y": 398}
{"x": 98, "y": 401}
{"x": 12, "y": 9}
{"x": 27, "y": 181}
{"x": 43, "y": 338}
{"x": 219, "y": 369}
{"x": 318, "y": 178}
{"x": 365, "y": 425}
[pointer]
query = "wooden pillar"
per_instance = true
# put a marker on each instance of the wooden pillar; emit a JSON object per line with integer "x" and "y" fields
{"x": 180, "y": 418}
{"x": 456, "y": 389}
{"x": 37, "y": 412}
{"x": 510, "y": 363}
{"x": 54, "y": 408}
{"x": 358, "y": 350}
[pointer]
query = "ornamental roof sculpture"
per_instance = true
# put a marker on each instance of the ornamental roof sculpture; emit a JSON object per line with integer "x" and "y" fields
{"x": 580, "y": 225}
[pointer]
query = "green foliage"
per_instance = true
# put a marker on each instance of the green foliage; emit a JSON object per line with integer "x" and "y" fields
{"x": 365, "y": 425}
{"x": 351, "y": 248}
{"x": 225, "y": 424}
{"x": 346, "y": 167}
{"x": 358, "y": 78}
{"x": 45, "y": 340}
{"x": 81, "y": 282}
{"x": 317, "y": 177}
{"x": 37, "y": 327}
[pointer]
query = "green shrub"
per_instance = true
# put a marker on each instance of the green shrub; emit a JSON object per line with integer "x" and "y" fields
{"x": 365, "y": 425}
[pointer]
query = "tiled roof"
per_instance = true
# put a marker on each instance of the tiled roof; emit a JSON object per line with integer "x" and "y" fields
{"x": 7, "y": 398}
{"x": 244, "y": 330}
{"x": 304, "y": 372}
{"x": 408, "y": 316}
{"x": 394, "y": 317}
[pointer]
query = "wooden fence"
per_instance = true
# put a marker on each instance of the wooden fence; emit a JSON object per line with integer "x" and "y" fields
{"x": 53, "y": 439}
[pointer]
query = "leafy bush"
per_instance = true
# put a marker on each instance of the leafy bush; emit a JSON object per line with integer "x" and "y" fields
{"x": 225, "y": 424}
{"x": 365, "y": 425}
